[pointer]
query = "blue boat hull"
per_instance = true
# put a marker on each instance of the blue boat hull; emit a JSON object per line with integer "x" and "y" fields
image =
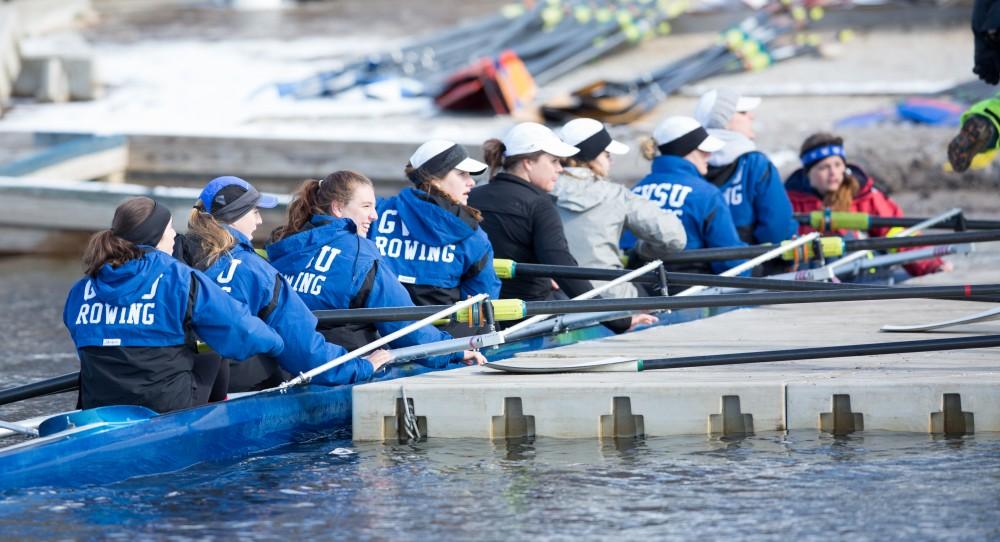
{"x": 111, "y": 451}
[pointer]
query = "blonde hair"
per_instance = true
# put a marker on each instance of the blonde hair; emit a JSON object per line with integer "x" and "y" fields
{"x": 592, "y": 165}
{"x": 212, "y": 236}
{"x": 649, "y": 148}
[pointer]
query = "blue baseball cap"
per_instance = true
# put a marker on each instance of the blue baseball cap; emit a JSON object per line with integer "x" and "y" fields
{"x": 228, "y": 198}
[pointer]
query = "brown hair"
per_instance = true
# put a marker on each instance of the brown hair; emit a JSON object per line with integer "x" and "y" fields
{"x": 493, "y": 155}
{"x": 107, "y": 247}
{"x": 841, "y": 198}
{"x": 213, "y": 238}
{"x": 429, "y": 185}
{"x": 314, "y": 198}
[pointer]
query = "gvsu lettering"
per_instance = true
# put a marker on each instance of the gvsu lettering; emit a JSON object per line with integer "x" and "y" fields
{"x": 665, "y": 194}
{"x": 408, "y": 249}
{"x": 307, "y": 282}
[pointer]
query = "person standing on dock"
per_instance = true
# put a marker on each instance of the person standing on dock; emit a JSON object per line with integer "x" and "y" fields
{"x": 749, "y": 181}
{"x": 324, "y": 254}
{"x": 827, "y": 180}
{"x": 430, "y": 237}
{"x": 520, "y": 217}
{"x": 679, "y": 151}
{"x": 221, "y": 229}
{"x": 595, "y": 211}
{"x": 134, "y": 316}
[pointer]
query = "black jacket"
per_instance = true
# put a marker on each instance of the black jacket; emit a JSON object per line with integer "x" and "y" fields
{"x": 986, "y": 37}
{"x": 523, "y": 225}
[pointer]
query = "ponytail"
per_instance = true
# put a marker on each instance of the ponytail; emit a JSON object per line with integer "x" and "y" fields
{"x": 493, "y": 150}
{"x": 106, "y": 247}
{"x": 648, "y": 148}
{"x": 314, "y": 197}
{"x": 213, "y": 238}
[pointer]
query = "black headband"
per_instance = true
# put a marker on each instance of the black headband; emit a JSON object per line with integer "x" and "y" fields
{"x": 685, "y": 143}
{"x": 149, "y": 231}
{"x": 593, "y": 146}
{"x": 231, "y": 212}
{"x": 440, "y": 164}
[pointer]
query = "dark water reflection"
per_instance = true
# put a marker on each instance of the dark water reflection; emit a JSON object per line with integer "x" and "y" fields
{"x": 797, "y": 486}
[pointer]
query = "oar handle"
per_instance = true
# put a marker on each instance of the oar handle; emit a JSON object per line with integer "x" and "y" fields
{"x": 843, "y": 220}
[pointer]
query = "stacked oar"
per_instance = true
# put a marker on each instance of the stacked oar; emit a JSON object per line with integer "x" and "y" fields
{"x": 495, "y": 62}
{"x": 773, "y": 34}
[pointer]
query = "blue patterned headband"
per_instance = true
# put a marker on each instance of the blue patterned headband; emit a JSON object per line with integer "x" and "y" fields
{"x": 816, "y": 154}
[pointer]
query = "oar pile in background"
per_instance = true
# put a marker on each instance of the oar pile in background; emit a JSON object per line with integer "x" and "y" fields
{"x": 495, "y": 63}
{"x": 773, "y": 34}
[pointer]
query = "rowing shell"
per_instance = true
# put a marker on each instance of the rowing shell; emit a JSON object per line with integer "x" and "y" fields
{"x": 985, "y": 316}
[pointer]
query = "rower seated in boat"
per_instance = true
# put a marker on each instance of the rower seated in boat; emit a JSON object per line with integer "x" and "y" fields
{"x": 134, "y": 316}
{"x": 430, "y": 237}
{"x": 324, "y": 254}
{"x": 220, "y": 233}
{"x": 596, "y": 211}
{"x": 827, "y": 180}
{"x": 679, "y": 152}
{"x": 520, "y": 217}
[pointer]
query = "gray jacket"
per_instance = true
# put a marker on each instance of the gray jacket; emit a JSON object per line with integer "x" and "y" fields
{"x": 594, "y": 213}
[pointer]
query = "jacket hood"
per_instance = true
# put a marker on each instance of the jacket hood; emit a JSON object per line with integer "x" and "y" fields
{"x": 737, "y": 145}
{"x": 433, "y": 219}
{"x": 798, "y": 181}
{"x": 115, "y": 285}
{"x": 314, "y": 233}
{"x": 577, "y": 189}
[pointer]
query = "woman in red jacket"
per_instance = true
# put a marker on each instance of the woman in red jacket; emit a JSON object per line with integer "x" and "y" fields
{"x": 827, "y": 180}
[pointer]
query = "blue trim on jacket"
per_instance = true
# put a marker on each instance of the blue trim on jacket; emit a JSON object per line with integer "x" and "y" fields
{"x": 757, "y": 200}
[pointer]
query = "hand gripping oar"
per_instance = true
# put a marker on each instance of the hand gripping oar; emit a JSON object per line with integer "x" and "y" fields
{"x": 445, "y": 312}
{"x": 59, "y": 384}
{"x": 586, "y": 295}
{"x": 619, "y": 364}
{"x": 515, "y": 309}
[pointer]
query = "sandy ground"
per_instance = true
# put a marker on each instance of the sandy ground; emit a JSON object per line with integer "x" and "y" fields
{"x": 176, "y": 70}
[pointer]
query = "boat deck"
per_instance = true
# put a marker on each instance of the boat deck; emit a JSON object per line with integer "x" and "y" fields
{"x": 933, "y": 392}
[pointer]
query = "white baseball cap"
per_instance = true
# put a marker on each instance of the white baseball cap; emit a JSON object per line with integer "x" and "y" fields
{"x": 591, "y": 137}
{"x": 529, "y": 137}
{"x": 439, "y": 156}
{"x": 717, "y": 106}
{"x": 680, "y": 135}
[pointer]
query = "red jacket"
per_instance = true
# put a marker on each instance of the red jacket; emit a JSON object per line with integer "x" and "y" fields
{"x": 868, "y": 200}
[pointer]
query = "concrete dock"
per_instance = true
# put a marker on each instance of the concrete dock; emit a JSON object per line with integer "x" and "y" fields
{"x": 951, "y": 392}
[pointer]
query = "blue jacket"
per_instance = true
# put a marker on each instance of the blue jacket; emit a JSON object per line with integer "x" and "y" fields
{"x": 676, "y": 186}
{"x": 755, "y": 193}
{"x": 252, "y": 280}
{"x": 438, "y": 252}
{"x": 329, "y": 264}
{"x": 132, "y": 328}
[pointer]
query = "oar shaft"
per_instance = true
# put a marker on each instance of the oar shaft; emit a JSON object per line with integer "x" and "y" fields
{"x": 669, "y": 303}
{"x": 844, "y": 220}
{"x": 850, "y": 245}
{"x": 59, "y": 384}
{"x": 871, "y": 349}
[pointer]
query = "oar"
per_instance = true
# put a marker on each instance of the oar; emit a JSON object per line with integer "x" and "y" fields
{"x": 439, "y": 314}
{"x": 834, "y": 246}
{"x": 840, "y": 220}
{"x": 515, "y": 309}
{"x": 740, "y": 358}
{"x": 59, "y": 384}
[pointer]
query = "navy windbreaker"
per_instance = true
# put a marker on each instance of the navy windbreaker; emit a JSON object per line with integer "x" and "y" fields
{"x": 252, "y": 280}
{"x": 329, "y": 264}
{"x": 676, "y": 186}
{"x": 139, "y": 315}
{"x": 438, "y": 252}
